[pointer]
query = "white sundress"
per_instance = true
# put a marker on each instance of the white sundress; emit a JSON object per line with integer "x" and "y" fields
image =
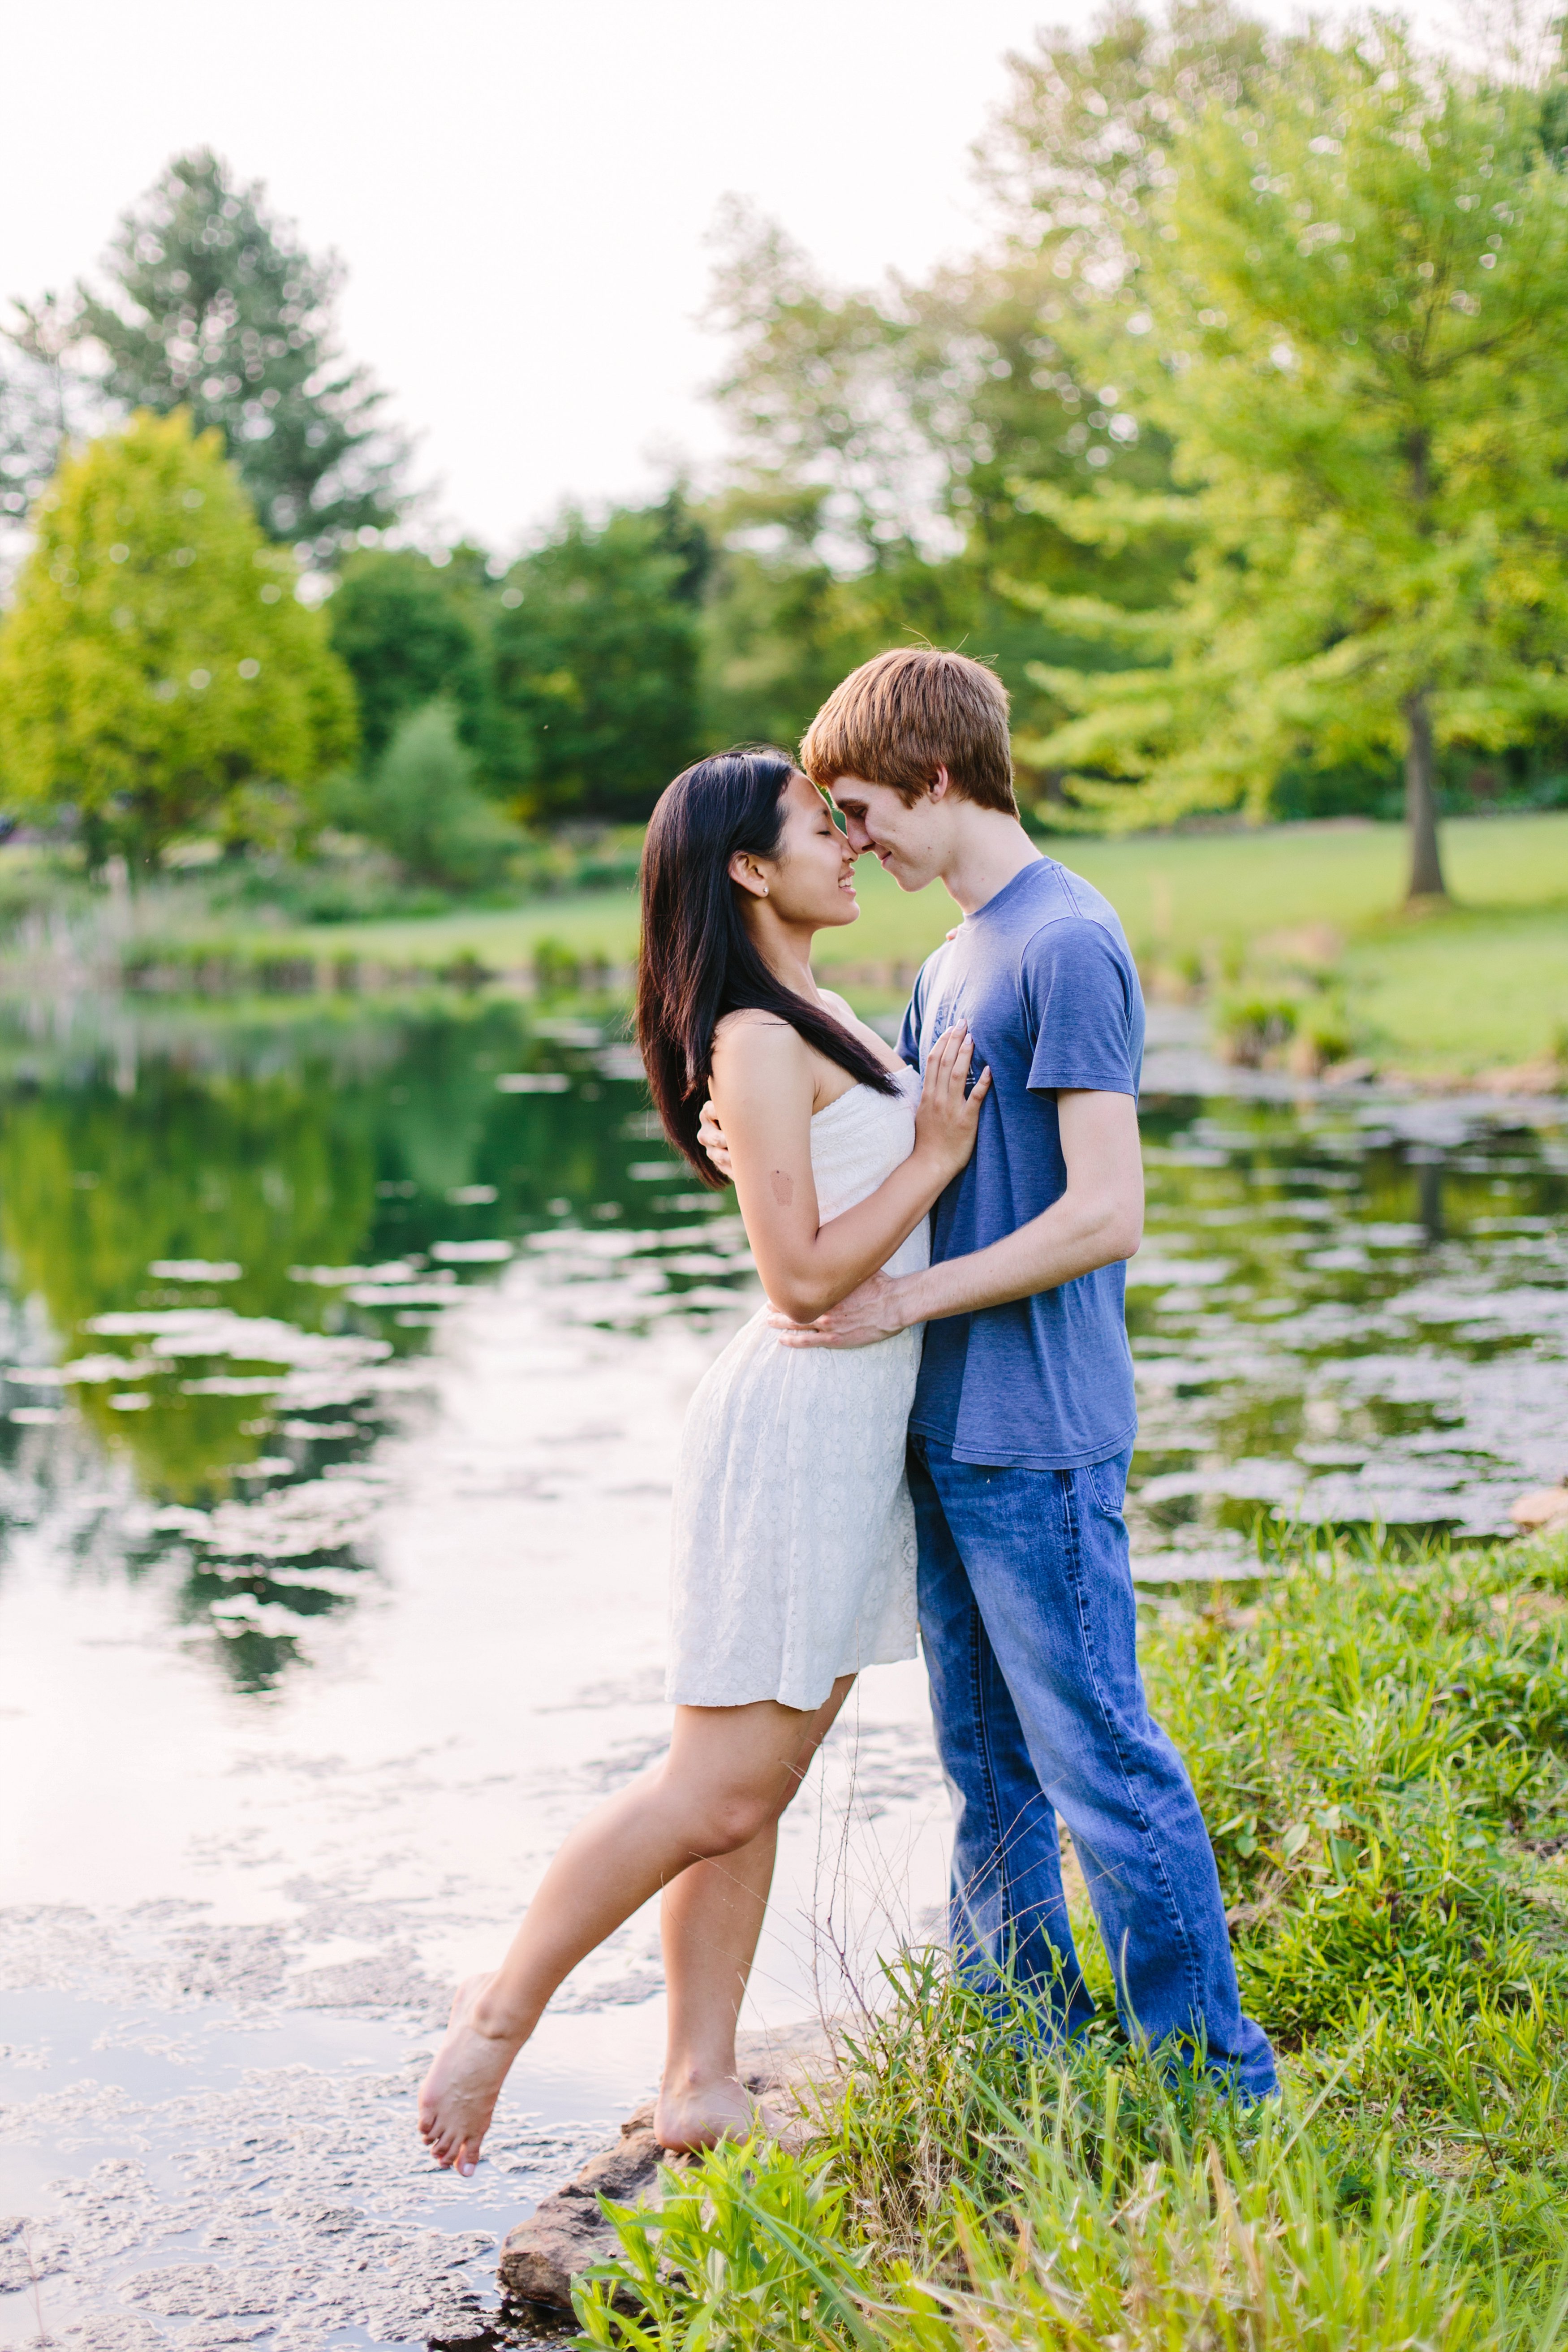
{"x": 794, "y": 1534}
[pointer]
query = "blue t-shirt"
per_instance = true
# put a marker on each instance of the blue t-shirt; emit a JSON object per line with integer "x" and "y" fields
{"x": 1044, "y": 978}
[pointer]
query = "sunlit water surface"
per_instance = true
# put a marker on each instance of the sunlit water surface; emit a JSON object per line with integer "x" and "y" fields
{"x": 344, "y": 1359}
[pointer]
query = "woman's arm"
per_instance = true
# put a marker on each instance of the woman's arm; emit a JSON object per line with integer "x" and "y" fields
{"x": 1098, "y": 1221}
{"x": 764, "y": 1084}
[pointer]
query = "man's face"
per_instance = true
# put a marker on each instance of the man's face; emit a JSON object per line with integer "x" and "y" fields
{"x": 907, "y": 840}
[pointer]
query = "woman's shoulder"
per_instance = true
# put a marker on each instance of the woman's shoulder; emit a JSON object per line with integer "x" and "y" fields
{"x": 751, "y": 1036}
{"x": 752, "y": 1022}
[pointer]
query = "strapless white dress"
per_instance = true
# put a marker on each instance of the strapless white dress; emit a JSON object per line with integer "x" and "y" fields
{"x": 794, "y": 1535}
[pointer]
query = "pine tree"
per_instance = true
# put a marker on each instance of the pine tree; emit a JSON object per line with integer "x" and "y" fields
{"x": 45, "y": 402}
{"x": 218, "y": 309}
{"x": 158, "y": 673}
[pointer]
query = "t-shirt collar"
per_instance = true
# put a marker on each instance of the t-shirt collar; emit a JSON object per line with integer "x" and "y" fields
{"x": 1009, "y": 890}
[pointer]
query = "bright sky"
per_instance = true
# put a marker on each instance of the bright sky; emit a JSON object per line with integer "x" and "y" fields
{"x": 522, "y": 193}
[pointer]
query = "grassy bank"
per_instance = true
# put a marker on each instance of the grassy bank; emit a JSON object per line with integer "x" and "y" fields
{"x": 1302, "y": 913}
{"x": 1381, "y": 1747}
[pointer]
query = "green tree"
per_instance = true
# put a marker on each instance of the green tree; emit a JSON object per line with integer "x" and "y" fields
{"x": 406, "y": 637}
{"x": 218, "y": 309}
{"x": 596, "y": 649}
{"x": 421, "y": 802}
{"x": 158, "y": 672}
{"x": 1349, "y": 314}
{"x": 883, "y": 439}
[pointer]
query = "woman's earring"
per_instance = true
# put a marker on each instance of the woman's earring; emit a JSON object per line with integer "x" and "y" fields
{"x": 765, "y": 889}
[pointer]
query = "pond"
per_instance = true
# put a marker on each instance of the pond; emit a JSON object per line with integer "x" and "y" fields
{"x": 343, "y": 1360}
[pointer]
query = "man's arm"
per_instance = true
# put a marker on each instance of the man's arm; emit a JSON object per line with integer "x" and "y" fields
{"x": 1098, "y": 1221}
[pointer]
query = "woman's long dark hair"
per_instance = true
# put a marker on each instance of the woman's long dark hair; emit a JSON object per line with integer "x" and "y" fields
{"x": 697, "y": 961}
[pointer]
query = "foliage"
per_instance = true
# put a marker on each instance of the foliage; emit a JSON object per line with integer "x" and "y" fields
{"x": 871, "y": 499}
{"x": 596, "y": 659}
{"x": 1348, "y": 316}
{"x": 44, "y": 403}
{"x": 158, "y": 672}
{"x": 1390, "y": 1736}
{"x": 729, "y": 2254}
{"x": 405, "y": 636}
{"x": 218, "y": 309}
{"x": 421, "y": 802}
{"x": 883, "y": 439}
{"x": 781, "y": 628}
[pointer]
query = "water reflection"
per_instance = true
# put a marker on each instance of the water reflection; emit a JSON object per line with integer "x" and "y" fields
{"x": 1346, "y": 1313}
{"x": 226, "y": 1253}
{"x": 222, "y": 1267}
{"x": 298, "y": 1715}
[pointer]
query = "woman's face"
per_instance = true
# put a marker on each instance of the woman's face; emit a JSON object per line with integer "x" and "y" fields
{"x": 810, "y": 877}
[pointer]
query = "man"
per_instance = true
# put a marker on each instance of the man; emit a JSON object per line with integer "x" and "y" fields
{"x": 1023, "y": 1429}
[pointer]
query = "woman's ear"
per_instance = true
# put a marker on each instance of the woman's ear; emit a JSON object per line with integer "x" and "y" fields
{"x": 748, "y": 873}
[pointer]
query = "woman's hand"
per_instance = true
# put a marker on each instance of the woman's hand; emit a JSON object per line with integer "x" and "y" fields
{"x": 949, "y": 1119}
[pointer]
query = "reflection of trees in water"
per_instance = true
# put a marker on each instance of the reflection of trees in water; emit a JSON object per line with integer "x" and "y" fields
{"x": 321, "y": 1145}
{"x": 94, "y": 1188}
{"x": 1248, "y": 1206}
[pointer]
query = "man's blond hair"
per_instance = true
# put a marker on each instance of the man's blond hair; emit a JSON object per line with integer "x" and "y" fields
{"x": 899, "y": 717}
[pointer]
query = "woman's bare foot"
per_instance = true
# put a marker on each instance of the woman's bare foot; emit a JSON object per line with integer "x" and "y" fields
{"x": 700, "y": 2114}
{"x": 458, "y": 2095}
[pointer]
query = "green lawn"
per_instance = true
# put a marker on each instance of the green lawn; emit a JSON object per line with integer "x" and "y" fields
{"x": 1482, "y": 983}
{"x": 1472, "y": 989}
{"x": 1189, "y": 890}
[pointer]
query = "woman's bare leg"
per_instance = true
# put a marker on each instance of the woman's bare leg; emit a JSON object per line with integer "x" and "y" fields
{"x": 729, "y": 1773}
{"x": 711, "y": 1918}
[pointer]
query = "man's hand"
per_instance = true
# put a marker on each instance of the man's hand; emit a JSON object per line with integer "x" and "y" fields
{"x": 710, "y": 1135}
{"x": 874, "y": 1311}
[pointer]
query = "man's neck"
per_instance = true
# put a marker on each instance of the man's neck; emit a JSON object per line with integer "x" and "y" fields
{"x": 990, "y": 848}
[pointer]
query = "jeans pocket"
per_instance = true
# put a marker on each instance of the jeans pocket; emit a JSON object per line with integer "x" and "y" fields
{"x": 1108, "y": 1484}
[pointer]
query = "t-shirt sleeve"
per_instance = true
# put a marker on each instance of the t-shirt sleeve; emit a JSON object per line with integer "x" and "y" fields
{"x": 1079, "y": 993}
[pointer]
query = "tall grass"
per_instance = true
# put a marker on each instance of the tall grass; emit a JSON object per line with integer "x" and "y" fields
{"x": 1380, "y": 1744}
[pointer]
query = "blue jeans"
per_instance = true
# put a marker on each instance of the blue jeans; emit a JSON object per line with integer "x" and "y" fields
{"x": 1027, "y": 1619}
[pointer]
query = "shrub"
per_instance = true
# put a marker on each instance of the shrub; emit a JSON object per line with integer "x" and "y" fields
{"x": 1254, "y": 1023}
{"x": 421, "y": 803}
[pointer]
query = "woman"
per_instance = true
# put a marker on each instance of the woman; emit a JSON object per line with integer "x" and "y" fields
{"x": 793, "y": 1538}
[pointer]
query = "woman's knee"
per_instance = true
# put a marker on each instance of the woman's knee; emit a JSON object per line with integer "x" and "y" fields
{"x": 721, "y": 1820}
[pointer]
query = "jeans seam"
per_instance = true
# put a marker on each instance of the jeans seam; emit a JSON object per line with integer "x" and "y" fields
{"x": 1074, "y": 1562}
{"x": 988, "y": 1767}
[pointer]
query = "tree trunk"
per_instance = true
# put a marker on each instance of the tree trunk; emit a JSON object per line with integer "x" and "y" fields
{"x": 1421, "y": 801}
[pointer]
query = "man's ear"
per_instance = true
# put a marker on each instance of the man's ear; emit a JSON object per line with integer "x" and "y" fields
{"x": 941, "y": 785}
{"x": 746, "y": 871}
